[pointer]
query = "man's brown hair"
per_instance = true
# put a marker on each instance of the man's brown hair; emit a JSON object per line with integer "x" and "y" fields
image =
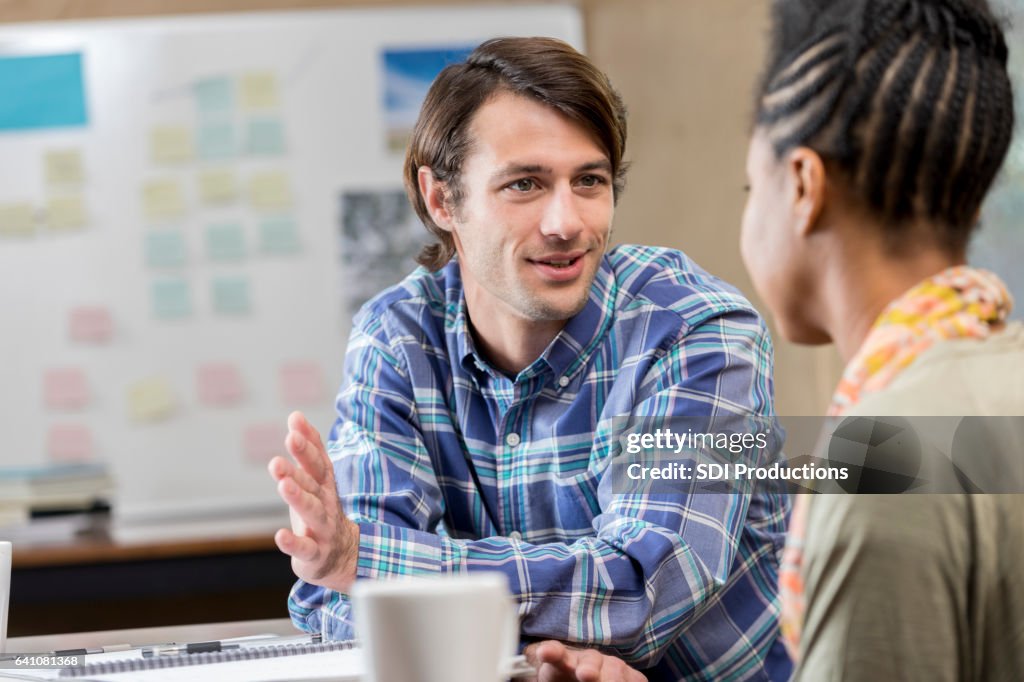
{"x": 547, "y": 70}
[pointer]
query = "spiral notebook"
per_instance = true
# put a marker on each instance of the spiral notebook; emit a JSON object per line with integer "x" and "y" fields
{"x": 299, "y": 662}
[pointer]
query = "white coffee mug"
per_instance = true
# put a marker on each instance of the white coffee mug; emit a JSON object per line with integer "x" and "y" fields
{"x": 461, "y": 628}
{"x": 5, "y": 591}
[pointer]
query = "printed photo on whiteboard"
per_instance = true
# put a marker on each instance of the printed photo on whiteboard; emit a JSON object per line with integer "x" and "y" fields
{"x": 379, "y": 238}
{"x": 408, "y": 73}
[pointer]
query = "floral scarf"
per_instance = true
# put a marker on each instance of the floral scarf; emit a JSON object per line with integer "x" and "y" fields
{"x": 960, "y": 302}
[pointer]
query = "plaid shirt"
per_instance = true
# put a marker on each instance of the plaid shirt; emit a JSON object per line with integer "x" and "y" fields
{"x": 448, "y": 466}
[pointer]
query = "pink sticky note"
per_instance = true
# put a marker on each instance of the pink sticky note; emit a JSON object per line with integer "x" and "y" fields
{"x": 65, "y": 389}
{"x": 301, "y": 384}
{"x": 219, "y": 384}
{"x": 69, "y": 443}
{"x": 91, "y": 324}
{"x": 262, "y": 442}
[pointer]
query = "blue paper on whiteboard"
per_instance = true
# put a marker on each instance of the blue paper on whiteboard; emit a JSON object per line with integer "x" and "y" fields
{"x": 214, "y": 95}
{"x": 216, "y": 141}
{"x": 231, "y": 295}
{"x": 279, "y": 235}
{"x": 165, "y": 249}
{"x": 265, "y": 136}
{"x": 46, "y": 91}
{"x": 225, "y": 242}
{"x": 171, "y": 298}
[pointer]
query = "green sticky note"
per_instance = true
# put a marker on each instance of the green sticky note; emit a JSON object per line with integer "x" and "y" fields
{"x": 171, "y": 298}
{"x": 265, "y": 137}
{"x": 278, "y": 235}
{"x": 214, "y": 95}
{"x": 216, "y": 141}
{"x": 231, "y": 295}
{"x": 225, "y": 242}
{"x": 165, "y": 249}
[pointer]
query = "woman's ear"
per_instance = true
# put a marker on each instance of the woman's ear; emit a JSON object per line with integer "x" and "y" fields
{"x": 807, "y": 179}
{"x": 435, "y": 196}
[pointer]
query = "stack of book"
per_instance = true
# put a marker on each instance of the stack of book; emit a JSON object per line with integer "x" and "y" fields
{"x": 53, "y": 503}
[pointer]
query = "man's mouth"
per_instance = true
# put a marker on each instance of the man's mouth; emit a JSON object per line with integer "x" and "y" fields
{"x": 558, "y": 263}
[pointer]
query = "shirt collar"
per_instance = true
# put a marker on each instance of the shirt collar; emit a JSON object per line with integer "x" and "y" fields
{"x": 568, "y": 351}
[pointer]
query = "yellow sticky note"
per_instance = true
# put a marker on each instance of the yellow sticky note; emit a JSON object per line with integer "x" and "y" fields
{"x": 163, "y": 199}
{"x": 269, "y": 190}
{"x": 150, "y": 399}
{"x": 259, "y": 90}
{"x": 66, "y": 213}
{"x": 17, "y": 220}
{"x": 218, "y": 186}
{"x": 170, "y": 144}
{"x": 64, "y": 167}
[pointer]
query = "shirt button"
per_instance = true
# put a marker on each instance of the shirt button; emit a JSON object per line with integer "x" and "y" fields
{"x": 515, "y": 535}
{"x": 563, "y": 382}
{"x": 512, "y": 440}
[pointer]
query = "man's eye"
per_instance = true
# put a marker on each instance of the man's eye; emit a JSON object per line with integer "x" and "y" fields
{"x": 523, "y": 185}
{"x": 591, "y": 180}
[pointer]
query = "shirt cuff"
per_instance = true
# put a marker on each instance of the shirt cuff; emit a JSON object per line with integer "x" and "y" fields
{"x": 387, "y": 551}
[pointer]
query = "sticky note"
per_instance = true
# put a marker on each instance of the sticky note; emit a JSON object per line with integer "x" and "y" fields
{"x": 17, "y": 220}
{"x": 64, "y": 167}
{"x": 214, "y": 95}
{"x": 70, "y": 443}
{"x": 231, "y": 295}
{"x": 150, "y": 399}
{"x": 269, "y": 190}
{"x": 170, "y": 144}
{"x": 259, "y": 90}
{"x": 65, "y": 388}
{"x": 42, "y": 91}
{"x": 163, "y": 199}
{"x": 278, "y": 235}
{"x": 91, "y": 324}
{"x": 220, "y": 384}
{"x": 216, "y": 140}
{"x": 264, "y": 137}
{"x": 65, "y": 213}
{"x": 165, "y": 249}
{"x": 218, "y": 186}
{"x": 225, "y": 242}
{"x": 261, "y": 442}
{"x": 301, "y": 383}
{"x": 171, "y": 298}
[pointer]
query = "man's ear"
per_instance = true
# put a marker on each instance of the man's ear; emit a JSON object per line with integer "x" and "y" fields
{"x": 435, "y": 196}
{"x": 807, "y": 178}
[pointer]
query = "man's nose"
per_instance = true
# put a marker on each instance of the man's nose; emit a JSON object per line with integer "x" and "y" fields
{"x": 563, "y": 216}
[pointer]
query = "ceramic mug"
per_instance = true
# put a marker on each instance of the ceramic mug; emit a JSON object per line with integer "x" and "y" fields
{"x": 461, "y": 628}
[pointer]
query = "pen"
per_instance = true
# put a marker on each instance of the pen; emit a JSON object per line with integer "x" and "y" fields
{"x": 95, "y": 650}
{"x": 193, "y": 648}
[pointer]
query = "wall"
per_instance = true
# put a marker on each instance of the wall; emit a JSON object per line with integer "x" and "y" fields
{"x": 686, "y": 70}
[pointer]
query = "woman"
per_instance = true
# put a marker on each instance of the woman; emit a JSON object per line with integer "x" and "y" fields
{"x": 881, "y": 125}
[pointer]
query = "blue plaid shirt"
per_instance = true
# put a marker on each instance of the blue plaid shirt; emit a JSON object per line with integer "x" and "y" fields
{"x": 448, "y": 465}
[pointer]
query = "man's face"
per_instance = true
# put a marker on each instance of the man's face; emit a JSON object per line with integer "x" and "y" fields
{"x": 536, "y": 212}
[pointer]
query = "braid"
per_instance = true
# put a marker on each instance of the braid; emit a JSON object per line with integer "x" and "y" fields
{"x": 910, "y": 99}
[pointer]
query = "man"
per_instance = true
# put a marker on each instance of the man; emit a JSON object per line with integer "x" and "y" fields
{"x": 475, "y": 422}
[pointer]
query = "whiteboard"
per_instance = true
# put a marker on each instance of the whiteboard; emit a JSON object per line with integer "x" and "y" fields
{"x": 176, "y": 358}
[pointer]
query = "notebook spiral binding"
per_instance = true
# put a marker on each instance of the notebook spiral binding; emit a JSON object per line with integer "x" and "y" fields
{"x": 181, "y": 660}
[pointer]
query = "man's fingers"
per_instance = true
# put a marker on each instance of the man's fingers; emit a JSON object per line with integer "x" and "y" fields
{"x": 305, "y": 504}
{"x": 280, "y": 469}
{"x": 310, "y": 455}
{"x": 296, "y": 546}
